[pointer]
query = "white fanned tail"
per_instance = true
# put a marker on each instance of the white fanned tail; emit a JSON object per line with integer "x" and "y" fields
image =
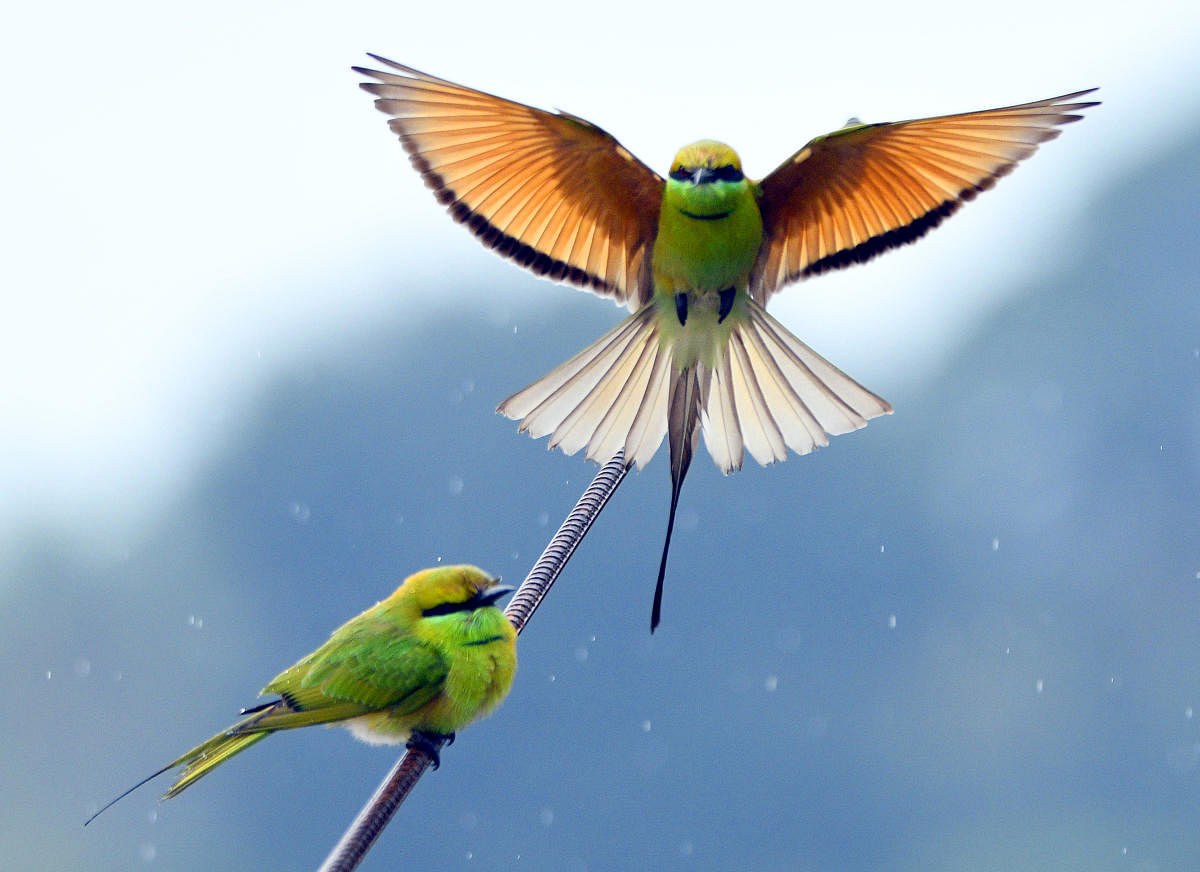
{"x": 770, "y": 393}
{"x": 611, "y": 395}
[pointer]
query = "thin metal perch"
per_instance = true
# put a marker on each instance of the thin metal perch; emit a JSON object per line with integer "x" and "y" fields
{"x": 362, "y": 832}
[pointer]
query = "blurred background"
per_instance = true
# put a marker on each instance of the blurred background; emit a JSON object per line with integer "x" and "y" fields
{"x": 250, "y": 374}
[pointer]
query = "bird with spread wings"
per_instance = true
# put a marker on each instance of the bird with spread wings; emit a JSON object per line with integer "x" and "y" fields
{"x": 695, "y": 257}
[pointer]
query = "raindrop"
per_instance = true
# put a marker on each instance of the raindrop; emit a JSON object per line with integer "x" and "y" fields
{"x": 1187, "y": 713}
{"x": 689, "y": 520}
{"x": 995, "y": 544}
{"x": 1040, "y": 685}
{"x": 147, "y": 852}
{"x": 645, "y": 726}
{"x": 456, "y": 485}
{"x": 771, "y": 683}
{"x": 300, "y": 512}
{"x": 891, "y": 622}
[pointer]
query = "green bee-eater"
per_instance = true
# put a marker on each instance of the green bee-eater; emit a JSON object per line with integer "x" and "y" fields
{"x": 426, "y": 661}
{"x": 695, "y": 256}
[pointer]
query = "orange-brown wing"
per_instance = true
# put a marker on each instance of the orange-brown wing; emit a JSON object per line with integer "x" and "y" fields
{"x": 551, "y": 191}
{"x": 845, "y": 197}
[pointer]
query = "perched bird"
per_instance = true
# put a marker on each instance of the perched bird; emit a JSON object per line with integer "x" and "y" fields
{"x": 425, "y": 662}
{"x": 695, "y": 257}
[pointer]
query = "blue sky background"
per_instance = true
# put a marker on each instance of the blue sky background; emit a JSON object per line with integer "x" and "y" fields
{"x": 251, "y": 374}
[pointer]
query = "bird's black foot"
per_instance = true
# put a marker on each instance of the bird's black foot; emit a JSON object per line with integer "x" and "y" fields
{"x": 727, "y": 296}
{"x": 429, "y": 745}
{"x": 681, "y": 307}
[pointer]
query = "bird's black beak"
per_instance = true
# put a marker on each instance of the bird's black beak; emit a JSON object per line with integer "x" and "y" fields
{"x": 492, "y": 594}
{"x": 703, "y": 176}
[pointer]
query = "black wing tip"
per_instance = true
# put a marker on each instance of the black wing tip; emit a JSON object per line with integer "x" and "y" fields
{"x": 1083, "y": 93}
{"x": 511, "y": 248}
{"x": 894, "y": 238}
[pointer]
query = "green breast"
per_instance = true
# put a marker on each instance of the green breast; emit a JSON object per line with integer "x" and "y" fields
{"x": 708, "y": 237}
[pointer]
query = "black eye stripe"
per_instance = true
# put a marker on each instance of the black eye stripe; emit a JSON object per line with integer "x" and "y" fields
{"x": 725, "y": 173}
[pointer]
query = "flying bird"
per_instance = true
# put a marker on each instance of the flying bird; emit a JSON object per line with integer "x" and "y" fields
{"x": 431, "y": 658}
{"x": 695, "y": 257}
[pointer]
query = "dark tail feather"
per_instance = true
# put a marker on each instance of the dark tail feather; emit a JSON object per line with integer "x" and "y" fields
{"x": 117, "y": 799}
{"x": 676, "y": 484}
{"x": 683, "y": 427}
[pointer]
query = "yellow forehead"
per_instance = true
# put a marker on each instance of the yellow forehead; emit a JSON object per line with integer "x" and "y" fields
{"x": 446, "y": 584}
{"x": 706, "y": 153}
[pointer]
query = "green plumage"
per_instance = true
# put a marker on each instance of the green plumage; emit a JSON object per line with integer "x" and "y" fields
{"x": 432, "y": 657}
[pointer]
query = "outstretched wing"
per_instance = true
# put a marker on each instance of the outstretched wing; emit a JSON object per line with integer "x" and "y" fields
{"x": 856, "y": 192}
{"x": 548, "y": 190}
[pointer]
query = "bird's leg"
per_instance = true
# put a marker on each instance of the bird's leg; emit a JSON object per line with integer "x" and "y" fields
{"x": 681, "y": 307}
{"x": 428, "y": 744}
{"x": 727, "y": 296}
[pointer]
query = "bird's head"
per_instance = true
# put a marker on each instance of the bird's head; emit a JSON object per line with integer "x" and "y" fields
{"x": 445, "y": 590}
{"x": 706, "y": 181}
{"x": 706, "y": 162}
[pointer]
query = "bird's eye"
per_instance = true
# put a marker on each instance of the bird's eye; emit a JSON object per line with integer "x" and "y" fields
{"x": 680, "y": 174}
{"x": 728, "y": 173}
